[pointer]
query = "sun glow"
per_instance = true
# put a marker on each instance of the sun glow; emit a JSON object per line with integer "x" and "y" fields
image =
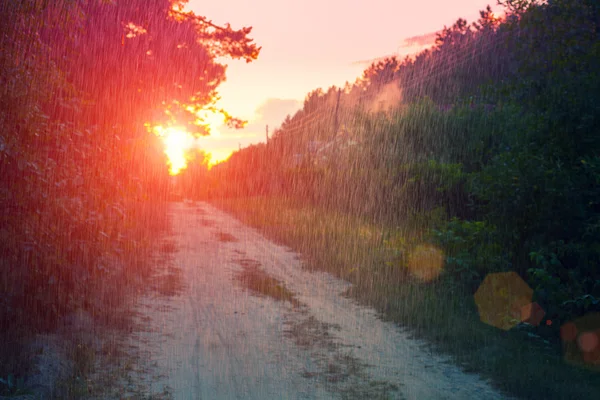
{"x": 211, "y": 121}
{"x": 179, "y": 142}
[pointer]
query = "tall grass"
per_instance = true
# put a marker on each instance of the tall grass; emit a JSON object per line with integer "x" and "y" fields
{"x": 373, "y": 258}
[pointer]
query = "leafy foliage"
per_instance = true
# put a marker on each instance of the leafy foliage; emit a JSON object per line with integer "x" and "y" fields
{"x": 82, "y": 183}
{"x": 472, "y": 251}
{"x": 497, "y": 124}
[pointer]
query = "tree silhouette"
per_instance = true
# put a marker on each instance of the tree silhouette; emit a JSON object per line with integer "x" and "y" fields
{"x": 133, "y": 59}
{"x": 78, "y": 80}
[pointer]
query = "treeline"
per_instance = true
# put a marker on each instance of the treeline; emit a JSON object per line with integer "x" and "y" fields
{"x": 82, "y": 182}
{"x": 491, "y": 137}
{"x": 65, "y": 199}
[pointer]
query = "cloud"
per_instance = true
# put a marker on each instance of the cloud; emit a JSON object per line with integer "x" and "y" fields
{"x": 425, "y": 39}
{"x": 409, "y": 46}
{"x": 373, "y": 60}
{"x": 271, "y": 112}
{"x": 274, "y": 111}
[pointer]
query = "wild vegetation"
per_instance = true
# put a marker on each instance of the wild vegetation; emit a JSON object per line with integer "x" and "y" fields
{"x": 485, "y": 146}
{"x": 83, "y": 184}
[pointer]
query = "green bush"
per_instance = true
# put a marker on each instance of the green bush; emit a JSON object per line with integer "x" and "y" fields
{"x": 472, "y": 251}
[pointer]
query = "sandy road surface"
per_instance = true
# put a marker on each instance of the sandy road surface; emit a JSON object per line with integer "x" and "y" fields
{"x": 245, "y": 321}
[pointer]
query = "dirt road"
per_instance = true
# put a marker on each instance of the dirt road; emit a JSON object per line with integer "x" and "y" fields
{"x": 238, "y": 318}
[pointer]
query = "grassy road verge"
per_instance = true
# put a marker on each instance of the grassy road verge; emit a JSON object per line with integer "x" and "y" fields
{"x": 374, "y": 260}
{"x": 74, "y": 354}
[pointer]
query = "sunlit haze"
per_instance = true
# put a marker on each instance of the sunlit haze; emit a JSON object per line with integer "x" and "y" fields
{"x": 306, "y": 46}
{"x": 312, "y": 44}
{"x": 300, "y": 200}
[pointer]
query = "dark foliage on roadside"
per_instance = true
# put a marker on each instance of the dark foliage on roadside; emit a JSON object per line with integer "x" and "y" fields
{"x": 492, "y": 136}
{"x": 83, "y": 185}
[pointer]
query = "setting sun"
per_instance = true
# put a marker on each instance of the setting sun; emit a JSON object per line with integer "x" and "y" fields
{"x": 177, "y": 141}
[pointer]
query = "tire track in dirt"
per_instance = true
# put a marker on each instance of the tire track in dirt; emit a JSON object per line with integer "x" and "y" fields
{"x": 240, "y": 318}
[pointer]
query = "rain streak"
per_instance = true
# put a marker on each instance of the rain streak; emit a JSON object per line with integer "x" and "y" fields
{"x": 428, "y": 229}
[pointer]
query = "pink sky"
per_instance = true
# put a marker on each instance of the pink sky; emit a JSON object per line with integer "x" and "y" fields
{"x": 310, "y": 44}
